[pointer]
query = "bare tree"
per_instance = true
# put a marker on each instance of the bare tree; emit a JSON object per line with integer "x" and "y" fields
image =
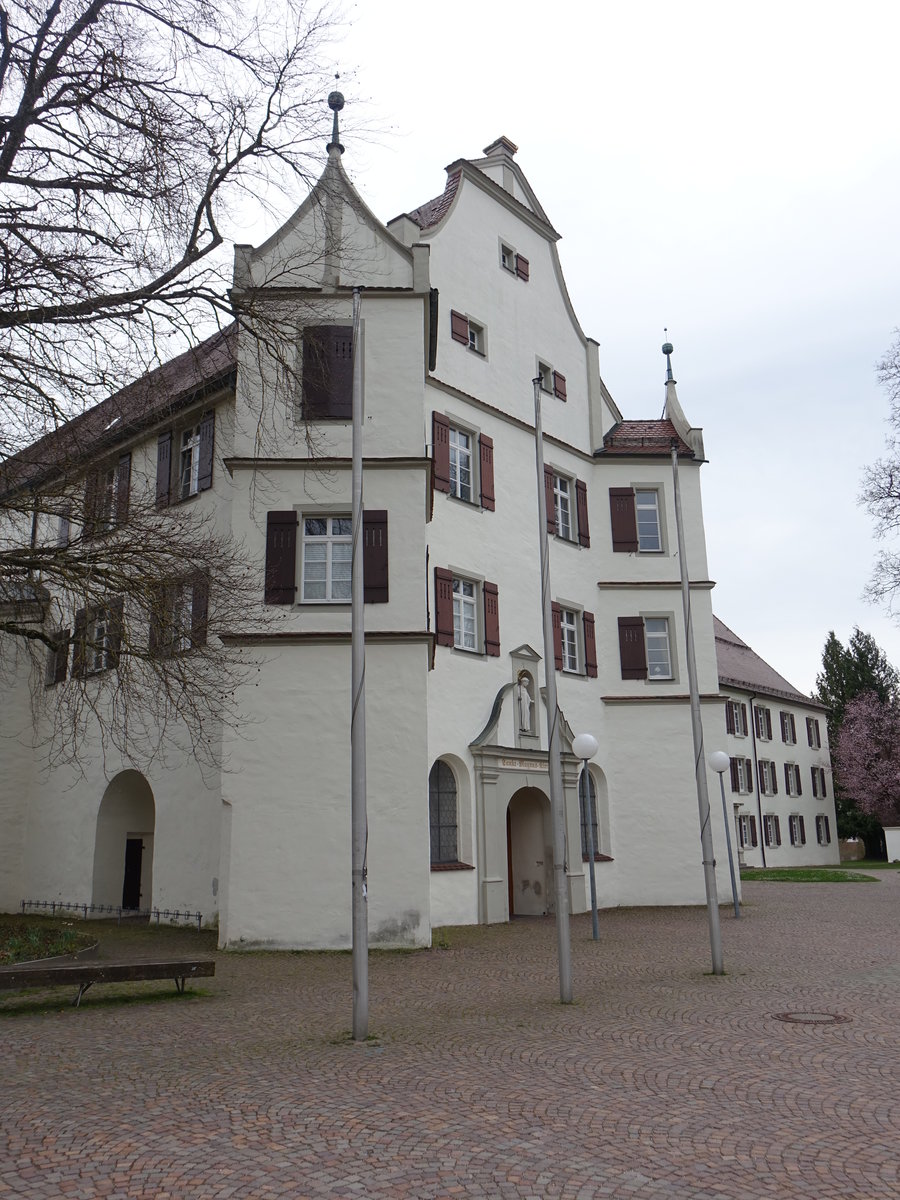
{"x": 129, "y": 133}
{"x": 881, "y": 486}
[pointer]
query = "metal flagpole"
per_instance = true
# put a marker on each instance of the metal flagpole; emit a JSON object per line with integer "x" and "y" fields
{"x": 557, "y": 807}
{"x": 358, "y": 820}
{"x": 706, "y": 842}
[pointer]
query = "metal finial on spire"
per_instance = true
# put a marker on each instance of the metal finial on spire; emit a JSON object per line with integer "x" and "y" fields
{"x": 335, "y": 103}
{"x": 667, "y": 351}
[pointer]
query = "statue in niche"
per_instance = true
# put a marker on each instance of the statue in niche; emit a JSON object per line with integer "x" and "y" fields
{"x": 524, "y": 702}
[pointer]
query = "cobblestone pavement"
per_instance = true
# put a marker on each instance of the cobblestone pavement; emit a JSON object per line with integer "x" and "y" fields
{"x": 661, "y": 1081}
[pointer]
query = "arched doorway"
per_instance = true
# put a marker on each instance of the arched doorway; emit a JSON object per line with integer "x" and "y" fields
{"x": 529, "y": 841}
{"x": 123, "y": 847}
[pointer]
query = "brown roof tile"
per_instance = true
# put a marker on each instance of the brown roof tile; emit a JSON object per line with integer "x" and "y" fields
{"x": 740, "y": 667}
{"x": 642, "y": 438}
{"x": 433, "y": 211}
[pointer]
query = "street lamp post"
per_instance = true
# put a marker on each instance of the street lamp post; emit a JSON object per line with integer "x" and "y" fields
{"x": 719, "y": 761}
{"x": 585, "y": 746}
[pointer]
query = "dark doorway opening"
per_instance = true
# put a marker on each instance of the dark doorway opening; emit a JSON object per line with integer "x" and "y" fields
{"x": 131, "y": 888}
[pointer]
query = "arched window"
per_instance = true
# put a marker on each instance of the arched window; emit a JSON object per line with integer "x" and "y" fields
{"x": 592, "y": 792}
{"x": 442, "y": 809}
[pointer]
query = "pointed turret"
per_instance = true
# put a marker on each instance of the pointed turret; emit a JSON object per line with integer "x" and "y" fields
{"x": 335, "y": 103}
{"x": 673, "y": 410}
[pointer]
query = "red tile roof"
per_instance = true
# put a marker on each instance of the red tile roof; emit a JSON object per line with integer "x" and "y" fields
{"x": 644, "y": 437}
{"x": 165, "y": 390}
{"x": 433, "y": 211}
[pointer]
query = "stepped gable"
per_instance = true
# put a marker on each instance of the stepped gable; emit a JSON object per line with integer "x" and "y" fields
{"x": 741, "y": 667}
{"x": 165, "y": 390}
{"x": 644, "y": 437}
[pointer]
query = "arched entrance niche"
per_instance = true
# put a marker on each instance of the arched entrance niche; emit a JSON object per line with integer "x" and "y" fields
{"x": 529, "y": 841}
{"x": 123, "y": 847}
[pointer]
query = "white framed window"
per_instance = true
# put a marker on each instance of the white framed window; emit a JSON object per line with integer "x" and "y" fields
{"x": 747, "y": 831}
{"x": 741, "y": 775}
{"x": 465, "y": 614}
{"x": 64, "y": 527}
{"x": 819, "y": 790}
{"x": 797, "y": 829}
{"x": 562, "y": 503}
{"x": 327, "y": 559}
{"x": 507, "y": 258}
{"x": 646, "y": 509}
{"x": 813, "y": 735}
{"x": 443, "y": 811}
{"x": 736, "y": 718}
{"x": 823, "y": 831}
{"x": 792, "y": 779}
{"x": 768, "y": 777}
{"x": 772, "y": 830}
{"x": 189, "y": 462}
{"x": 545, "y": 374}
{"x": 788, "y": 728}
{"x": 569, "y": 622}
{"x": 763, "y": 719}
{"x": 461, "y": 464}
{"x": 659, "y": 656}
{"x": 476, "y": 337}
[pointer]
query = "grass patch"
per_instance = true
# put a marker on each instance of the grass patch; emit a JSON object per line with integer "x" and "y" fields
{"x": 869, "y": 864}
{"x": 24, "y": 941}
{"x": 804, "y": 875}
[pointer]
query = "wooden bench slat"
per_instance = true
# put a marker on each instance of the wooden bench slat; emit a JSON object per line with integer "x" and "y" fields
{"x": 79, "y": 974}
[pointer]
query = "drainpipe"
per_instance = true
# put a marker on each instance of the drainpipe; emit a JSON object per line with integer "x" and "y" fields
{"x": 762, "y": 840}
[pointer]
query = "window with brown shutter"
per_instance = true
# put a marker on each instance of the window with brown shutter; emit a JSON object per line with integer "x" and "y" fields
{"x": 590, "y": 645}
{"x": 522, "y": 268}
{"x": 729, "y": 717}
{"x": 207, "y": 444}
{"x": 440, "y": 451}
{"x": 443, "y": 606}
{"x": 632, "y": 648}
{"x": 163, "y": 468}
{"x": 549, "y": 500}
{"x": 58, "y": 658}
{"x": 581, "y": 506}
{"x": 486, "y": 471}
{"x": 459, "y": 328}
{"x": 491, "y": 620}
{"x": 623, "y": 520}
{"x": 559, "y": 385}
{"x": 327, "y": 384}
{"x": 281, "y": 557}
{"x": 375, "y": 556}
{"x": 556, "y": 621}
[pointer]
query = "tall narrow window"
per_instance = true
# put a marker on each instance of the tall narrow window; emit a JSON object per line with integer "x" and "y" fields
{"x": 443, "y": 814}
{"x": 588, "y": 802}
{"x": 465, "y": 619}
{"x": 646, "y": 504}
{"x": 568, "y": 621}
{"x": 659, "y": 660}
{"x": 327, "y": 555}
{"x": 460, "y": 464}
{"x": 189, "y": 471}
{"x": 562, "y": 504}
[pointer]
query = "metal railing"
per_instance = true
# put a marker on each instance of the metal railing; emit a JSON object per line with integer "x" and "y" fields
{"x": 170, "y": 916}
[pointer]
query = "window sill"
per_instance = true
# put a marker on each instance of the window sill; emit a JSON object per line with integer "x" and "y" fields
{"x": 598, "y": 857}
{"x": 452, "y": 866}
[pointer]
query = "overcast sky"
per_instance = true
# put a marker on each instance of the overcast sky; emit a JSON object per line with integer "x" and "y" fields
{"x": 731, "y": 172}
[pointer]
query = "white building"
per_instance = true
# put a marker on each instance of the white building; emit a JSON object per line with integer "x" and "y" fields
{"x": 780, "y": 778}
{"x": 463, "y": 305}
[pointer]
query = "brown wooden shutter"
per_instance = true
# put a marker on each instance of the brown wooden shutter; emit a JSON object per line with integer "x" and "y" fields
{"x": 491, "y": 620}
{"x": 735, "y": 782}
{"x": 623, "y": 520}
{"x": 433, "y": 306}
{"x": 556, "y": 620}
{"x": 123, "y": 488}
{"x": 729, "y": 717}
{"x": 581, "y": 505}
{"x": 440, "y": 451}
{"x": 767, "y": 714}
{"x": 549, "y": 501}
{"x": 443, "y": 606}
{"x": 79, "y": 651}
{"x": 327, "y": 392}
{"x": 632, "y": 648}
{"x": 163, "y": 468}
{"x": 199, "y": 609}
{"x": 744, "y": 726}
{"x": 92, "y": 496}
{"x": 798, "y": 781}
{"x": 822, "y": 786}
{"x": 375, "y": 556}
{"x": 590, "y": 646}
{"x": 486, "y": 471}
{"x": 207, "y": 444}
{"x": 748, "y": 767}
{"x": 754, "y": 840}
{"x": 522, "y": 269}
{"x": 802, "y": 831}
{"x": 559, "y": 385}
{"x": 773, "y": 775}
{"x": 115, "y": 617}
{"x": 777, "y": 831}
{"x": 281, "y": 557}
{"x": 787, "y": 778}
{"x": 459, "y": 328}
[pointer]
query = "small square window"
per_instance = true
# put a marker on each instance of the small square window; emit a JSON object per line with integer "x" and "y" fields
{"x": 327, "y": 559}
{"x": 545, "y": 374}
{"x": 507, "y": 258}
{"x": 476, "y": 338}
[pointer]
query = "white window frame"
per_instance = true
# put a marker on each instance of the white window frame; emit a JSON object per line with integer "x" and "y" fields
{"x": 457, "y": 455}
{"x": 765, "y": 770}
{"x": 189, "y": 462}
{"x": 466, "y": 595}
{"x": 545, "y": 374}
{"x": 793, "y": 779}
{"x": 771, "y": 832}
{"x": 813, "y": 733}
{"x": 658, "y": 637}
{"x": 329, "y": 540}
{"x": 788, "y": 726}
{"x": 743, "y": 781}
{"x": 182, "y": 616}
{"x": 570, "y": 622}
{"x": 760, "y": 723}
{"x": 822, "y": 828}
{"x": 737, "y": 718}
{"x": 795, "y": 830}
{"x": 563, "y": 490}
{"x": 745, "y": 831}
{"x": 477, "y": 338}
{"x": 819, "y": 790}
{"x": 98, "y": 642}
{"x": 509, "y": 252}
{"x": 655, "y": 507}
